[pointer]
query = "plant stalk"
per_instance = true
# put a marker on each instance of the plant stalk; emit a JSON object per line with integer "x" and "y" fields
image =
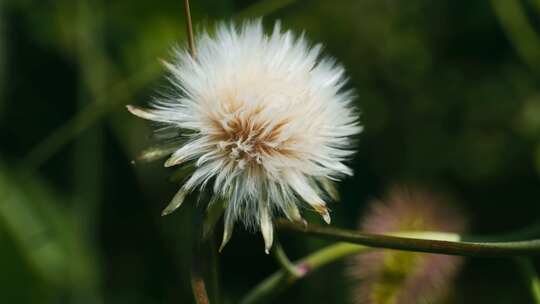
{"x": 284, "y": 262}
{"x": 419, "y": 244}
{"x": 282, "y": 278}
{"x": 189, "y": 28}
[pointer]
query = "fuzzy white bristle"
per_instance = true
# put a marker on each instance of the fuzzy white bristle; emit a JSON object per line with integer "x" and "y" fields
{"x": 269, "y": 122}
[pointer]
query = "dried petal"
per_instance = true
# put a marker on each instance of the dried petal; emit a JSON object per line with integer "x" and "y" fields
{"x": 227, "y": 230}
{"x": 267, "y": 229}
{"x": 176, "y": 202}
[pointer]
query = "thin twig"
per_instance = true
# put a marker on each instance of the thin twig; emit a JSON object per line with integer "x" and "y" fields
{"x": 477, "y": 248}
{"x": 189, "y": 28}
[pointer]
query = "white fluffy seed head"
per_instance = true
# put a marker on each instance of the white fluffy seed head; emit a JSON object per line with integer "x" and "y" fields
{"x": 267, "y": 121}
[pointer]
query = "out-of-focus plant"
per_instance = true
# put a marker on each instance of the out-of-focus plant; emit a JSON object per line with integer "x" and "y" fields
{"x": 2, "y": 56}
{"x": 519, "y": 30}
{"x": 530, "y": 277}
{"x": 389, "y": 276}
{"x": 48, "y": 236}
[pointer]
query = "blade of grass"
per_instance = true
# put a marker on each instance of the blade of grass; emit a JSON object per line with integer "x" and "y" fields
{"x": 518, "y": 29}
{"x": 531, "y": 277}
{"x": 119, "y": 95}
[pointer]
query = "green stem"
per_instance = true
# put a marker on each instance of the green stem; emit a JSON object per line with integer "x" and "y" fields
{"x": 529, "y": 273}
{"x": 422, "y": 244}
{"x": 282, "y": 278}
{"x": 284, "y": 262}
{"x": 420, "y": 241}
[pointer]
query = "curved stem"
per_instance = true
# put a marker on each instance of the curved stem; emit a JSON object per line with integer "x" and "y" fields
{"x": 284, "y": 262}
{"x": 421, "y": 241}
{"x": 477, "y": 248}
{"x": 281, "y": 279}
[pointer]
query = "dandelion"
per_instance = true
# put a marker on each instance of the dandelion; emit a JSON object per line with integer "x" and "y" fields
{"x": 263, "y": 118}
{"x": 399, "y": 277}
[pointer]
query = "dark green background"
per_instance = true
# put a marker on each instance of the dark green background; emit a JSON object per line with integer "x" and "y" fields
{"x": 450, "y": 99}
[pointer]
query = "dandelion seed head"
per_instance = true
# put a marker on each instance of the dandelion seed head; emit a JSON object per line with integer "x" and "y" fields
{"x": 266, "y": 120}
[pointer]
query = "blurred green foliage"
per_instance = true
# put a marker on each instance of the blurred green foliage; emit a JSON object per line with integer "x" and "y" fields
{"x": 47, "y": 237}
{"x": 449, "y": 94}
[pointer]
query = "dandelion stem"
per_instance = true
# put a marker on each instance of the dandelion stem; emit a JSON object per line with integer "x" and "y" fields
{"x": 282, "y": 278}
{"x": 198, "y": 257}
{"x": 531, "y": 277}
{"x": 215, "y": 294}
{"x": 197, "y": 282}
{"x": 463, "y": 248}
{"x": 189, "y": 28}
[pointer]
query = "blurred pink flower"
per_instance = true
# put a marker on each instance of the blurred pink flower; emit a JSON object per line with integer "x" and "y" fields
{"x": 399, "y": 277}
